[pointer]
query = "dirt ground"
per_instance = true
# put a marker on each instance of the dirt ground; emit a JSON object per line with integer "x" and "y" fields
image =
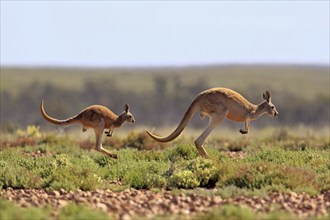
{"x": 132, "y": 203}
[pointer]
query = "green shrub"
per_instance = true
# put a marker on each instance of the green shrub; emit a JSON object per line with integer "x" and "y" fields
{"x": 251, "y": 176}
{"x": 17, "y": 171}
{"x": 205, "y": 172}
{"x": 183, "y": 179}
{"x": 78, "y": 172}
{"x": 31, "y": 131}
{"x": 142, "y": 141}
{"x": 186, "y": 152}
{"x": 156, "y": 181}
{"x": 145, "y": 174}
{"x": 103, "y": 160}
{"x": 264, "y": 174}
{"x": 18, "y": 178}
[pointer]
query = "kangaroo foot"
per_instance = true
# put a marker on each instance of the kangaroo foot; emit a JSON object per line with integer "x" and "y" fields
{"x": 202, "y": 152}
{"x": 108, "y": 133}
{"x": 114, "y": 156}
{"x": 243, "y": 131}
{"x": 108, "y": 153}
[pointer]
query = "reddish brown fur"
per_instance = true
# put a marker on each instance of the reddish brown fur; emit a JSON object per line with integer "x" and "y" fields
{"x": 218, "y": 104}
{"x": 97, "y": 117}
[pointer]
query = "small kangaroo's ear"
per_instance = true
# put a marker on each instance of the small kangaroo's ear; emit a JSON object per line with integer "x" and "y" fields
{"x": 266, "y": 96}
{"x": 126, "y": 108}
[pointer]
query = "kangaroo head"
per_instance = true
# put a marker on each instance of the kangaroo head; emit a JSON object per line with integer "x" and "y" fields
{"x": 268, "y": 106}
{"x": 127, "y": 116}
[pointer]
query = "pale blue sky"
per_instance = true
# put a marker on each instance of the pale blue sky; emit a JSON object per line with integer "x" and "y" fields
{"x": 145, "y": 33}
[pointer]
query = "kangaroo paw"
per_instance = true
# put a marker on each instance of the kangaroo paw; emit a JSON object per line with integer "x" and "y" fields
{"x": 243, "y": 131}
{"x": 106, "y": 152}
{"x": 114, "y": 156}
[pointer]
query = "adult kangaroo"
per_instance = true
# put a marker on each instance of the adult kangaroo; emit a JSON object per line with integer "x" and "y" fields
{"x": 218, "y": 104}
{"x": 97, "y": 117}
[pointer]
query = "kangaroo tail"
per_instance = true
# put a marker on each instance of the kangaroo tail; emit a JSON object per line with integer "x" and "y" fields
{"x": 184, "y": 121}
{"x": 68, "y": 121}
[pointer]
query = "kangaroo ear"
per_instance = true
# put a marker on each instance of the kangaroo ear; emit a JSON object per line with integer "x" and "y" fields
{"x": 266, "y": 96}
{"x": 126, "y": 108}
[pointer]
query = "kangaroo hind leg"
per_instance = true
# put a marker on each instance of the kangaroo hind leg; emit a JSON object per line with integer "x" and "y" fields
{"x": 215, "y": 119}
{"x": 98, "y": 135}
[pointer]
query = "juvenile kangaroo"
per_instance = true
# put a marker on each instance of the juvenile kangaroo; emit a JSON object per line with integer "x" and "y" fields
{"x": 97, "y": 117}
{"x": 218, "y": 104}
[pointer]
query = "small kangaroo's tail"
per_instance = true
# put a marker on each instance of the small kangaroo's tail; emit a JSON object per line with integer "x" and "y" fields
{"x": 68, "y": 121}
{"x": 184, "y": 121}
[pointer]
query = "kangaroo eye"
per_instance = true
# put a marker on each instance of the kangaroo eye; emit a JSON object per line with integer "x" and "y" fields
{"x": 273, "y": 107}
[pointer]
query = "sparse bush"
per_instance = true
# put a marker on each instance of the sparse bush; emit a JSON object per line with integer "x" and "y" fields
{"x": 141, "y": 141}
{"x": 267, "y": 168}
{"x": 183, "y": 179}
{"x": 73, "y": 178}
{"x": 145, "y": 174}
{"x": 186, "y": 152}
{"x": 156, "y": 181}
{"x": 76, "y": 173}
{"x": 205, "y": 172}
{"x": 18, "y": 178}
{"x": 250, "y": 176}
{"x": 58, "y": 140}
{"x": 31, "y": 131}
{"x": 16, "y": 171}
{"x": 103, "y": 160}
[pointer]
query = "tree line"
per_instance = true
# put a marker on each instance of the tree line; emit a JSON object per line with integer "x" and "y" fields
{"x": 163, "y": 105}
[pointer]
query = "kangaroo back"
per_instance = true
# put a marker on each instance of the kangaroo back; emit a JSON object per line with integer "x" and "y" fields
{"x": 68, "y": 121}
{"x": 184, "y": 121}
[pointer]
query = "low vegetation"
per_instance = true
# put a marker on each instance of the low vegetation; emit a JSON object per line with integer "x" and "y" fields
{"x": 270, "y": 164}
{"x": 279, "y": 162}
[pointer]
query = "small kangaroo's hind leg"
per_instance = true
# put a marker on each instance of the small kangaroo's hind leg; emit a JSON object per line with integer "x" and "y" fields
{"x": 215, "y": 119}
